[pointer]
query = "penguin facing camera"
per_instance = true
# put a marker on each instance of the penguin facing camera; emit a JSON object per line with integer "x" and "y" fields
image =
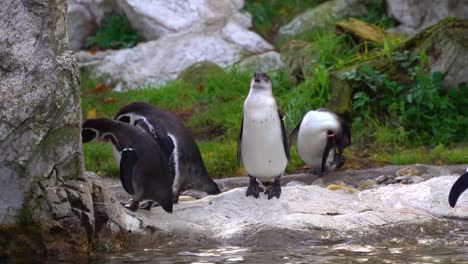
{"x": 144, "y": 168}
{"x": 262, "y": 145}
{"x": 322, "y": 137}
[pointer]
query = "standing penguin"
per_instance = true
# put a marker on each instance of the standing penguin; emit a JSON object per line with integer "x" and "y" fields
{"x": 262, "y": 146}
{"x": 458, "y": 188}
{"x": 321, "y": 139}
{"x": 144, "y": 168}
{"x": 181, "y": 150}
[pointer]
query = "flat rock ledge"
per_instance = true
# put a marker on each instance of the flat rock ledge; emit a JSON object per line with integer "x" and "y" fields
{"x": 308, "y": 215}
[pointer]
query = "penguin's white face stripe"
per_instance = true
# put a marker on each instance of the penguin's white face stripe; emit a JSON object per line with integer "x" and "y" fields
{"x": 175, "y": 157}
{"x": 103, "y": 137}
{"x": 134, "y": 117}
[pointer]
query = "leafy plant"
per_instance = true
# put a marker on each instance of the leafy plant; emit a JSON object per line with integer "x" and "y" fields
{"x": 377, "y": 15}
{"x": 420, "y": 107}
{"x": 114, "y": 32}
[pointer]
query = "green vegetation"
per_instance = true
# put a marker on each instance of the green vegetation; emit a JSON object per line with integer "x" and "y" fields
{"x": 416, "y": 108}
{"x": 270, "y": 15}
{"x": 114, "y": 32}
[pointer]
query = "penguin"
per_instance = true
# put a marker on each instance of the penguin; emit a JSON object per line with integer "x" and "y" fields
{"x": 262, "y": 144}
{"x": 144, "y": 168}
{"x": 181, "y": 150}
{"x": 322, "y": 137}
{"x": 458, "y": 188}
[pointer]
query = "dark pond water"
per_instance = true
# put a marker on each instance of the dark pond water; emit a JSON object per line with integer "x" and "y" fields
{"x": 316, "y": 254}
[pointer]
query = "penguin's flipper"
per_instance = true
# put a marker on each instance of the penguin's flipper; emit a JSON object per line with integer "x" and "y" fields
{"x": 294, "y": 133}
{"x": 160, "y": 137}
{"x": 285, "y": 136}
{"x": 127, "y": 164}
{"x": 326, "y": 151}
{"x": 239, "y": 142}
{"x": 457, "y": 189}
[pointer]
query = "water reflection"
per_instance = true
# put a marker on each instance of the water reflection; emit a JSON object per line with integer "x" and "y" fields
{"x": 315, "y": 254}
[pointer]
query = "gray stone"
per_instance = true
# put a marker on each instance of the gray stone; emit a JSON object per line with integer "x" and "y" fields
{"x": 381, "y": 179}
{"x": 158, "y": 18}
{"x": 156, "y": 62}
{"x": 402, "y": 178}
{"x": 309, "y": 215}
{"x": 408, "y": 171}
{"x": 324, "y": 15}
{"x": 295, "y": 183}
{"x": 266, "y": 62}
{"x": 83, "y": 16}
{"x": 416, "y": 15}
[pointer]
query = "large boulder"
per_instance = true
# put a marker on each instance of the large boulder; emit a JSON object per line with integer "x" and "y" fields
{"x": 416, "y": 15}
{"x": 156, "y": 62}
{"x": 41, "y": 166}
{"x": 157, "y": 18}
{"x": 309, "y": 215}
{"x": 197, "y": 74}
{"x": 324, "y": 15}
{"x": 265, "y": 62}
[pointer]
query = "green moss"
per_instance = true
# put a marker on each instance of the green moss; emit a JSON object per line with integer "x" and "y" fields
{"x": 198, "y": 73}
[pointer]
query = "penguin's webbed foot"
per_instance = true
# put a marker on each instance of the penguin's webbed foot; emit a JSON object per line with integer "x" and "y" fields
{"x": 274, "y": 190}
{"x": 147, "y": 205}
{"x": 133, "y": 206}
{"x": 340, "y": 160}
{"x": 254, "y": 189}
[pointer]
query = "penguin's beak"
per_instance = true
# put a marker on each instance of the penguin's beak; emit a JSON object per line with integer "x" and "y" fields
{"x": 257, "y": 77}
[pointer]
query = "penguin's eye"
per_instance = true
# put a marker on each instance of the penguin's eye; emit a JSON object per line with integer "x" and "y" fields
{"x": 125, "y": 119}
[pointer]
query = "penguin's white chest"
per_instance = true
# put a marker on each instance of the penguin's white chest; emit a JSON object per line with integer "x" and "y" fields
{"x": 262, "y": 149}
{"x": 312, "y": 137}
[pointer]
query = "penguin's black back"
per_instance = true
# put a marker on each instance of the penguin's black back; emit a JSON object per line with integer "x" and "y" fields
{"x": 194, "y": 174}
{"x": 151, "y": 170}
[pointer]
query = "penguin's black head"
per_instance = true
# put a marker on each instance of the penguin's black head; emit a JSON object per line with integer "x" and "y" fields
{"x": 260, "y": 81}
{"x": 92, "y": 128}
{"x": 260, "y": 77}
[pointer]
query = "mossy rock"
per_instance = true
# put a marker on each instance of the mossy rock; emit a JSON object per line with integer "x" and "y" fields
{"x": 362, "y": 31}
{"x": 197, "y": 74}
{"x": 446, "y": 46}
{"x": 298, "y": 58}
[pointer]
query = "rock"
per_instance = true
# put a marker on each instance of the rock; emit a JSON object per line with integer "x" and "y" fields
{"x": 415, "y": 16}
{"x": 408, "y": 171}
{"x": 323, "y": 15}
{"x": 381, "y": 179}
{"x": 156, "y": 62}
{"x": 80, "y": 24}
{"x": 40, "y": 117}
{"x": 295, "y": 183}
{"x": 362, "y": 31}
{"x": 445, "y": 47}
{"x": 82, "y": 18}
{"x": 298, "y": 60}
{"x": 367, "y": 184}
{"x": 157, "y": 18}
{"x": 335, "y": 187}
{"x": 310, "y": 215}
{"x": 416, "y": 179}
{"x": 196, "y": 74}
{"x": 266, "y": 62}
{"x": 402, "y": 178}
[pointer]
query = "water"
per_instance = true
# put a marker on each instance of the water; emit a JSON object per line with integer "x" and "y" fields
{"x": 340, "y": 253}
